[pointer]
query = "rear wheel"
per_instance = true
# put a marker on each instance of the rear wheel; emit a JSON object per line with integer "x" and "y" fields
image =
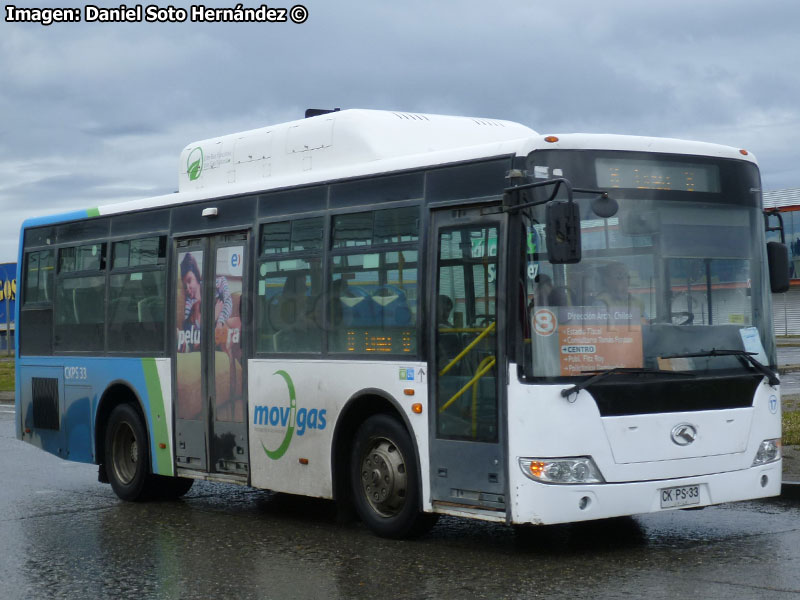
{"x": 127, "y": 454}
{"x": 385, "y": 479}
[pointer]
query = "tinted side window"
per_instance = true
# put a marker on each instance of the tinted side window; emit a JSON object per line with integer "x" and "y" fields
{"x": 80, "y": 298}
{"x": 80, "y": 310}
{"x": 136, "y": 296}
{"x": 138, "y": 253}
{"x": 289, "y": 304}
{"x": 88, "y": 257}
{"x": 39, "y": 273}
{"x": 376, "y": 227}
{"x": 373, "y": 295}
{"x": 373, "y": 190}
{"x": 292, "y": 236}
{"x": 474, "y": 180}
{"x": 36, "y": 314}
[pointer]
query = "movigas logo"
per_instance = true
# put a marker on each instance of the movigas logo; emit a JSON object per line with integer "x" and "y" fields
{"x": 194, "y": 164}
{"x": 289, "y": 418}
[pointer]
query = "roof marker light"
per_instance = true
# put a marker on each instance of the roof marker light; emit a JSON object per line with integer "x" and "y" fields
{"x": 551, "y": 139}
{"x": 743, "y": 152}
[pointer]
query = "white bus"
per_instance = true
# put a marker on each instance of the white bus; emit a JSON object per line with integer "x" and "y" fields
{"x": 416, "y": 315}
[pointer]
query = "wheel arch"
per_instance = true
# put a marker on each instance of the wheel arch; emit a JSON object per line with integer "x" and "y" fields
{"x": 116, "y": 393}
{"x": 358, "y": 408}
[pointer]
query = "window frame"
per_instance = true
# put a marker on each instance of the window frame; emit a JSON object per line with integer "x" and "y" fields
{"x": 162, "y": 266}
{"x": 384, "y": 248}
{"x": 305, "y": 254}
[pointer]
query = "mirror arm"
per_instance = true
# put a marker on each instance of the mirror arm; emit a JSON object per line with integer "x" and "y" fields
{"x": 557, "y": 183}
{"x": 774, "y": 213}
{"x": 601, "y": 193}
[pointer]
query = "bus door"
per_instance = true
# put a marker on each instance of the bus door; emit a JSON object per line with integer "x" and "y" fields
{"x": 210, "y": 407}
{"x": 467, "y": 336}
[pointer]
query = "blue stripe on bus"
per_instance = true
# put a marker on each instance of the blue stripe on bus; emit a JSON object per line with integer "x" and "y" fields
{"x": 76, "y": 215}
{"x": 28, "y": 223}
{"x": 82, "y": 382}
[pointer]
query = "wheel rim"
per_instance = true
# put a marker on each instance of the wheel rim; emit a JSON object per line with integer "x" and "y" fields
{"x": 125, "y": 453}
{"x": 383, "y": 477}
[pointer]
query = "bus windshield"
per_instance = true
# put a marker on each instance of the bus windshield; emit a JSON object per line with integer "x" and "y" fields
{"x": 678, "y": 270}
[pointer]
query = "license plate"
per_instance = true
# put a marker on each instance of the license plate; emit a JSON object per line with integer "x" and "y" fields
{"x": 680, "y": 496}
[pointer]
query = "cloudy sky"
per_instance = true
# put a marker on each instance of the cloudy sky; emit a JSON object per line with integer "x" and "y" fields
{"x": 96, "y": 113}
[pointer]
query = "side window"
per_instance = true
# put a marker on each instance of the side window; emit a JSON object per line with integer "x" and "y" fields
{"x": 80, "y": 298}
{"x": 374, "y": 281}
{"x": 289, "y": 305}
{"x": 137, "y": 292}
{"x": 39, "y": 269}
{"x": 466, "y": 333}
{"x": 36, "y": 312}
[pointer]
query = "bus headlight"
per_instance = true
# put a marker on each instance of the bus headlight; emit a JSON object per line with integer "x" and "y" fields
{"x": 575, "y": 470}
{"x": 769, "y": 451}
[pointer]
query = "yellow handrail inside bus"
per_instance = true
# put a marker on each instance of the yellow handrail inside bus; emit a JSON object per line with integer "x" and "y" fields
{"x": 486, "y": 364}
{"x": 484, "y": 367}
{"x": 460, "y": 329}
{"x": 466, "y": 350}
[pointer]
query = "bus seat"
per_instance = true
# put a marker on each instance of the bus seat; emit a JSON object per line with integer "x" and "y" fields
{"x": 358, "y": 307}
{"x": 392, "y": 305}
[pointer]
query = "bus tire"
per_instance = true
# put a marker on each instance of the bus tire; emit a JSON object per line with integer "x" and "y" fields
{"x": 127, "y": 454}
{"x": 385, "y": 479}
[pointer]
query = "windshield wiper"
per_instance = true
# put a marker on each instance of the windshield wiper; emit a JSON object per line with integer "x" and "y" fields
{"x": 602, "y": 374}
{"x": 771, "y": 376}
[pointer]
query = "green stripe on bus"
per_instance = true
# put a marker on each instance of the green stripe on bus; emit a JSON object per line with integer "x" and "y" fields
{"x": 93, "y": 212}
{"x": 160, "y": 433}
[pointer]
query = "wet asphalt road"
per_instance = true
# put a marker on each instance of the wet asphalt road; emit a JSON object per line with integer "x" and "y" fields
{"x": 63, "y": 535}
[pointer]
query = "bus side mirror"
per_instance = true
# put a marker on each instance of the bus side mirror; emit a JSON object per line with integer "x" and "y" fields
{"x": 778, "y": 261}
{"x": 563, "y": 222}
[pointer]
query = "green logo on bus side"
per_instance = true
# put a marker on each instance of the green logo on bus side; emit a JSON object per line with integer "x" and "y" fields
{"x": 288, "y": 416}
{"x": 194, "y": 164}
{"x": 281, "y": 450}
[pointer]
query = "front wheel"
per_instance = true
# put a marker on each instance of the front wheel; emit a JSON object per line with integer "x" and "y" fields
{"x": 127, "y": 454}
{"x": 385, "y": 479}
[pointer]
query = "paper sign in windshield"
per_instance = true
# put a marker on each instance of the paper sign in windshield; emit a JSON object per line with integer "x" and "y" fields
{"x": 592, "y": 338}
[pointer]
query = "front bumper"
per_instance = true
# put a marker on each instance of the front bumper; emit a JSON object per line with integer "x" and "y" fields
{"x": 546, "y": 504}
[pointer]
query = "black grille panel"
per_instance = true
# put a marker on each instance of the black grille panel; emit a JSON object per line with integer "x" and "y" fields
{"x": 641, "y": 396}
{"x": 45, "y": 403}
